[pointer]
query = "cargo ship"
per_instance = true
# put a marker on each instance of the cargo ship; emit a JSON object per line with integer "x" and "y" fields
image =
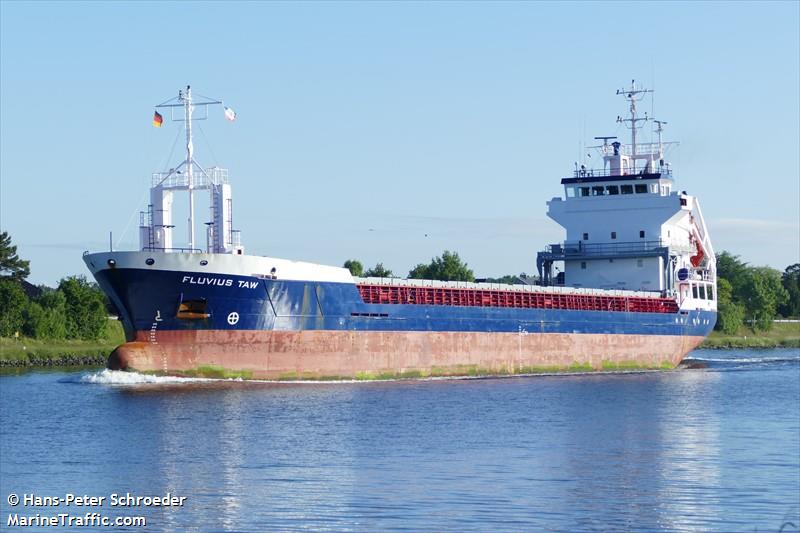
{"x": 633, "y": 285}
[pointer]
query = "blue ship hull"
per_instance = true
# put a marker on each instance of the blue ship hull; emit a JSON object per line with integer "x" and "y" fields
{"x": 143, "y": 296}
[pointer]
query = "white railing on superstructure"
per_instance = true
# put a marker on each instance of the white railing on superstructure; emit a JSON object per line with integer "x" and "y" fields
{"x": 175, "y": 179}
{"x": 642, "y": 149}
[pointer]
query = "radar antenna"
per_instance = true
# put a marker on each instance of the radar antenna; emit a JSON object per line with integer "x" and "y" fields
{"x": 605, "y": 142}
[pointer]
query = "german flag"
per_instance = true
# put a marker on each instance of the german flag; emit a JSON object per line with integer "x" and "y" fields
{"x": 157, "y": 119}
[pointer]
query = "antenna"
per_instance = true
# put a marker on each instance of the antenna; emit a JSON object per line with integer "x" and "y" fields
{"x": 659, "y": 130}
{"x": 633, "y": 95}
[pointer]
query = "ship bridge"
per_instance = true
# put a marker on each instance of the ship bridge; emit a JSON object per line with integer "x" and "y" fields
{"x": 627, "y": 227}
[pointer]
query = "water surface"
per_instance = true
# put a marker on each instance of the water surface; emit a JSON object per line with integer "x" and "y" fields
{"x": 712, "y": 449}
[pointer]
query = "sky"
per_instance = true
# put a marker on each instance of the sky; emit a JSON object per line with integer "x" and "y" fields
{"x": 390, "y": 131}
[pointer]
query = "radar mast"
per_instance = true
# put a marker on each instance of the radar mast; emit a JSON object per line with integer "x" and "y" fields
{"x": 633, "y": 95}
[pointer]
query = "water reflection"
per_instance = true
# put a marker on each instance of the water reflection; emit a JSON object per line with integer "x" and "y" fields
{"x": 250, "y": 453}
{"x": 171, "y": 440}
{"x": 690, "y": 457}
{"x": 231, "y": 455}
{"x": 613, "y": 449}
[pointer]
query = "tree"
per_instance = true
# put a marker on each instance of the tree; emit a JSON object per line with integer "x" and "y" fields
{"x": 447, "y": 267}
{"x": 86, "y": 316}
{"x": 378, "y": 271}
{"x": 730, "y": 315}
{"x": 791, "y": 282}
{"x": 45, "y": 317}
{"x": 734, "y": 270}
{"x": 13, "y": 304}
{"x": 762, "y": 294}
{"x": 419, "y": 272}
{"x": 355, "y": 267}
{"x": 11, "y": 266}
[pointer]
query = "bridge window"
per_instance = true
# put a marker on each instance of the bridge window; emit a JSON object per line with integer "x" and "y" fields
{"x": 641, "y": 188}
{"x": 641, "y": 234}
{"x": 626, "y": 189}
{"x": 613, "y": 189}
{"x": 585, "y": 236}
{"x": 613, "y": 234}
{"x": 584, "y": 191}
{"x": 570, "y": 192}
{"x": 598, "y": 190}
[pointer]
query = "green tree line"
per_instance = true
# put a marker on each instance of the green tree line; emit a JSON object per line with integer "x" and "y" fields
{"x": 754, "y": 295}
{"x": 76, "y": 309}
{"x": 446, "y": 267}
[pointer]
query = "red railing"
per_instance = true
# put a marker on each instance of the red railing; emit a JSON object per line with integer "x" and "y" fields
{"x": 388, "y": 294}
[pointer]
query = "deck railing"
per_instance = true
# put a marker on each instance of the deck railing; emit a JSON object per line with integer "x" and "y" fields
{"x": 585, "y": 249}
{"x": 172, "y": 250}
{"x": 664, "y": 171}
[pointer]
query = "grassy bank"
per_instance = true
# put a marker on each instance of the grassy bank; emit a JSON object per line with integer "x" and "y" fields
{"x": 780, "y": 336}
{"x": 24, "y": 352}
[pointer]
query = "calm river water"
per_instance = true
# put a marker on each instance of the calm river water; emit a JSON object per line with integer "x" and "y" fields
{"x": 713, "y": 449}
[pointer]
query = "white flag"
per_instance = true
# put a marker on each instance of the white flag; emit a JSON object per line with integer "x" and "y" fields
{"x": 230, "y": 114}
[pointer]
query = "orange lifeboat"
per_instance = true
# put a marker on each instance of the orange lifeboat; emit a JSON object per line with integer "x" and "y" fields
{"x": 697, "y": 259}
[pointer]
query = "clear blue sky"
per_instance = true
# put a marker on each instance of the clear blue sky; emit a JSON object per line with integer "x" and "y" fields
{"x": 454, "y": 120}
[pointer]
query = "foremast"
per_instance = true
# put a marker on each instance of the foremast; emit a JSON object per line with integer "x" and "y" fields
{"x": 155, "y": 226}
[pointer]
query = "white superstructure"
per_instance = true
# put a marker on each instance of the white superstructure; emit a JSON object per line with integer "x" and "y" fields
{"x": 628, "y": 227}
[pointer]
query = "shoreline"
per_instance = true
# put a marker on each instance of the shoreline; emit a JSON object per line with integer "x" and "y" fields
{"x": 65, "y": 360}
{"x": 782, "y": 335}
{"x": 752, "y": 343}
{"x": 25, "y": 352}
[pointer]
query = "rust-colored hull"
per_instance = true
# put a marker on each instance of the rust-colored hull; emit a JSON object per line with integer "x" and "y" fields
{"x": 318, "y": 354}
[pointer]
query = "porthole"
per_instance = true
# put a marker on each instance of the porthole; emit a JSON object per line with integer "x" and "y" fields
{"x": 203, "y": 262}
{"x": 150, "y": 261}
